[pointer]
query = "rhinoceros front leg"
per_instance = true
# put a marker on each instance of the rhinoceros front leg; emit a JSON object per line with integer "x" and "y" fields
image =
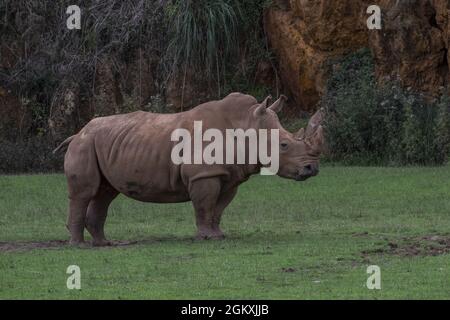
{"x": 224, "y": 200}
{"x": 204, "y": 195}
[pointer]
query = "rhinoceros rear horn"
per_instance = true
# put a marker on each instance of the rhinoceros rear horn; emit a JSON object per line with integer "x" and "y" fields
{"x": 300, "y": 134}
{"x": 262, "y": 108}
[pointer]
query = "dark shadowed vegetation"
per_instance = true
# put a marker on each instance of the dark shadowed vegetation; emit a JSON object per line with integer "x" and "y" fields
{"x": 165, "y": 56}
{"x": 62, "y": 78}
{"x": 382, "y": 124}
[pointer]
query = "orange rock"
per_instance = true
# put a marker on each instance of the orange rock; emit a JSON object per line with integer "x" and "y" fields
{"x": 305, "y": 35}
{"x": 412, "y": 45}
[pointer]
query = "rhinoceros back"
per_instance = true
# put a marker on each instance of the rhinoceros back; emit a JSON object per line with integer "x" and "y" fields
{"x": 134, "y": 150}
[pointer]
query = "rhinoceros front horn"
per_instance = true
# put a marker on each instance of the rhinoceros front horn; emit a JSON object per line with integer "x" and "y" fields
{"x": 314, "y": 131}
{"x": 314, "y": 122}
{"x": 317, "y": 139}
{"x": 313, "y": 134}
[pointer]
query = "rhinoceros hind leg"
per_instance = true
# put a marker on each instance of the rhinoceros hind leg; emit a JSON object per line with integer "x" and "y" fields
{"x": 97, "y": 212}
{"x": 83, "y": 180}
{"x": 75, "y": 221}
{"x": 204, "y": 194}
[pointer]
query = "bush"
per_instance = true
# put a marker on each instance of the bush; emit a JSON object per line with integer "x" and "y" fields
{"x": 29, "y": 156}
{"x": 367, "y": 124}
{"x": 221, "y": 41}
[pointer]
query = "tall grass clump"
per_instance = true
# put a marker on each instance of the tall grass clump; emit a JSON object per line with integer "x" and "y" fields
{"x": 210, "y": 40}
{"x": 203, "y": 34}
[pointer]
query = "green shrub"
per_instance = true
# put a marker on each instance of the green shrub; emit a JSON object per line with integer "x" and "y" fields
{"x": 29, "y": 156}
{"x": 367, "y": 124}
{"x": 443, "y": 130}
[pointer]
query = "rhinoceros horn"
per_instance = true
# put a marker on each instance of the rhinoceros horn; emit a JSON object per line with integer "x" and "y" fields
{"x": 314, "y": 130}
{"x": 313, "y": 134}
{"x": 317, "y": 139}
{"x": 314, "y": 122}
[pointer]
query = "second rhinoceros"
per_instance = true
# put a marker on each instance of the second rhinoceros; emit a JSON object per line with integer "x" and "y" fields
{"x": 131, "y": 154}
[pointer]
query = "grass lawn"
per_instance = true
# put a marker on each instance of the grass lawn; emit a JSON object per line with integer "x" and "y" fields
{"x": 285, "y": 240}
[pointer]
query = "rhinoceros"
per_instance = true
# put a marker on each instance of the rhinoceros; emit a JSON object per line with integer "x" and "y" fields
{"x": 131, "y": 154}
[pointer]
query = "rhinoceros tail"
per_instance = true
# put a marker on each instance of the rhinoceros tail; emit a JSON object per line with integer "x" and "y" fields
{"x": 64, "y": 144}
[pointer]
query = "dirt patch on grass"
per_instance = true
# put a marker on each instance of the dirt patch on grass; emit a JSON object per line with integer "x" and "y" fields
{"x": 25, "y": 245}
{"x": 51, "y": 244}
{"x": 430, "y": 245}
{"x": 288, "y": 270}
{"x": 57, "y": 244}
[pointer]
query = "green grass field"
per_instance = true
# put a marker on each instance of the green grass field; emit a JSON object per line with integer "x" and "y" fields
{"x": 285, "y": 240}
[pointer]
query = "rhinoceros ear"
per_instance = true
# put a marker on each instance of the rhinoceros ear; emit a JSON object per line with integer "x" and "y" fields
{"x": 278, "y": 105}
{"x": 314, "y": 122}
{"x": 262, "y": 108}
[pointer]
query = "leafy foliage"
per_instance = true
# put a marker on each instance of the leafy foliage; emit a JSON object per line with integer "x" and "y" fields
{"x": 221, "y": 41}
{"x": 369, "y": 124}
{"x": 31, "y": 155}
{"x": 53, "y": 52}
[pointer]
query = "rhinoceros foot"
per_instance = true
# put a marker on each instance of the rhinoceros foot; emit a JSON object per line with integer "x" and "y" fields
{"x": 101, "y": 243}
{"x": 210, "y": 235}
{"x": 79, "y": 244}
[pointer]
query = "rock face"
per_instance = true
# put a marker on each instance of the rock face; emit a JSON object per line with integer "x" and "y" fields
{"x": 413, "y": 45}
{"x": 307, "y": 35}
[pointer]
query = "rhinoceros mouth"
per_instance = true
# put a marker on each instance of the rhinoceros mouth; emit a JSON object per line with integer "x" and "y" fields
{"x": 302, "y": 177}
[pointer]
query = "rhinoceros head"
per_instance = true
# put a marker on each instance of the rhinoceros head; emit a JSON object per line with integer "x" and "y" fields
{"x": 298, "y": 152}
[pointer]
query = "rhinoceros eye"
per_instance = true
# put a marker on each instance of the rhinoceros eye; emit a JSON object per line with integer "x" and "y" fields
{"x": 283, "y": 145}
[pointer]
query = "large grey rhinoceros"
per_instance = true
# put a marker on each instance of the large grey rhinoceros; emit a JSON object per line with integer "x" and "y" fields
{"x": 131, "y": 154}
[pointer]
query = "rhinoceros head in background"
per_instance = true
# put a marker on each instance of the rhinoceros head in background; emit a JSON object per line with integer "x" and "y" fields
{"x": 300, "y": 151}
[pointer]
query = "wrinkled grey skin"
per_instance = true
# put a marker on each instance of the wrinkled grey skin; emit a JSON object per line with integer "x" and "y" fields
{"x": 131, "y": 154}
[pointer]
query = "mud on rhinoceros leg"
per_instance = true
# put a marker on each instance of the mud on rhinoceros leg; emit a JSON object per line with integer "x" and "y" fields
{"x": 224, "y": 200}
{"x": 97, "y": 212}
{"x": 204, "y": 194}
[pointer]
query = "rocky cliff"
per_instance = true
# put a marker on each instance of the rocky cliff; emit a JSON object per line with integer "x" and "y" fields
{"x": 109, "y": 68}
{"x": 412, "y": 45}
